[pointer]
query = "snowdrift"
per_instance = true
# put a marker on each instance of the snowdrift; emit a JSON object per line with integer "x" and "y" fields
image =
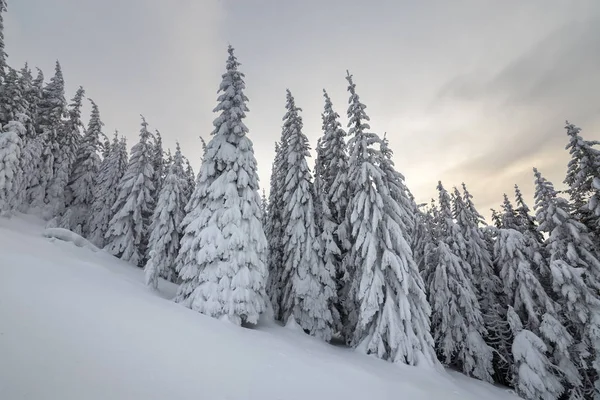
{"x": 75, "y": 323}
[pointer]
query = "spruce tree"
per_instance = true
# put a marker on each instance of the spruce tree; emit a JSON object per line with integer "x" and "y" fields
{"x": 575, "y": 272}
{"x": 583, "y": 180}
{"x": 73, "y": 127}
{"x": 334, "y": 161}
{"x": 80, "y": 191}
{"x": 68, "y": 140}
{"x": 111, "y": 170}
{"x": 537, "y": 311}
{"x": 457, "y": 320}
{"x": 487, "y": 284}
{"x": 223, "y": 244}
{"x": 127, "y": 234}
{"x": 191, "y": 181}
{"x": 274, "y": 229}
{"x": 392, "y": 313}
{"x": 264, "y": 204}
{"x": 52, "y": 109}
{"x": 309, "y": 288}
{"x": 12, "y": 99}
{"x": 3, "y": 56}
{"x": 31, "y": 99}
{"x": 534, "y": 371}
{"x": 165, "y": 230}
{"x": 158, "y": 164}
{"x": 11, "y": 174}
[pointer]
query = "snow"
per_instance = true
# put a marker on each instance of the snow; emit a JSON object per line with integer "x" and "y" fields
{"x": 94, "y": 331}
{"x": 68, "y": 236}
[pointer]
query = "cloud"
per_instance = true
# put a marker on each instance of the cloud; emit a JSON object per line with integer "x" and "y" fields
{"x": 136, "y": 56}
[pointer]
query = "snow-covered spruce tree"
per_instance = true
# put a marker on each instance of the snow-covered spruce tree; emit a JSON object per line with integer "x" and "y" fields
{"x": 12, "y": 100}
{"x": 68, "y": 141}
{"x": 11, "y": 174}
{"x": 264, "y": 205}
{"x": 487, "y": 284}
{"x": 583, "y": 180}
{"x": 158, "y": 163}
{"x": 392, "y": 310}
{"x": 510, "y": 219}
{"x": 329, "y": 251}
{"x": 573, "y": 267}
{"x": 274, "y": 230}
{"x": 496, "y": 218}
{"x": 334, "y": 161}
{"x": 127, "y": 234}
{"x": 569, "y": 240}
{"x": 422, "y": 236}
{"x": 457, "y": 321}
{"x": 111, "y": 170}
{"x": 3, "y": 55}
{"x": 165, "y": 230}
{"x": 222, "y": 249}
{"x": 73, "y": 127}
{"x": 34, "y": 161}
{"x": 525, "y": 221}
{"x": 279, "y": 277}
{"x": 52, "y": 109}
{"x": 309, "y": 288}
{"x": 530, "y": 301}
{"x": 534, "y": 377}
{"x": 191, "y": 181}
{"x": 80, "y": 191}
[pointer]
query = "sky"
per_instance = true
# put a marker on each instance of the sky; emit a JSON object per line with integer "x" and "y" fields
{"x": 473, "y": 91}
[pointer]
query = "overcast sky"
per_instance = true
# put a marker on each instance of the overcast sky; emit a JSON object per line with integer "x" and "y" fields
{"x": 473, "y": 91}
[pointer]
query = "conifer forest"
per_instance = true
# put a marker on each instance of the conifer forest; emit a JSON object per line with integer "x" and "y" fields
{"x": 337, "y": 247}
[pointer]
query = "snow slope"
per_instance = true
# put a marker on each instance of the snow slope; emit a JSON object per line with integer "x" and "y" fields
{"x": 78, "y": 324}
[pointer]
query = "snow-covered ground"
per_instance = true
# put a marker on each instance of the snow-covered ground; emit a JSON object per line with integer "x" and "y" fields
{"x": 79, "y": 324}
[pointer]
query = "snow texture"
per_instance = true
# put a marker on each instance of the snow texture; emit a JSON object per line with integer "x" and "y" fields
{"x": 100, "y": 334}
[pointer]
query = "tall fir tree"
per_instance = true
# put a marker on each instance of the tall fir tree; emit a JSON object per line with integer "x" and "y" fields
{"x": 106, "y": 189}
{"x": 575, "y": 272}
{"x": 264, "y": 204}
{"x": 191, "y": 181}
{"x": 51, "y": 111}
{"x": 80, "y": 190}
{"x": 11, "y": 174}
{"x": 158, "y": 164}
{"x": 68, "y": 141}
{"x": 3, "y": 56}
{"x": 12, "y": 99}
{"x": 73, "y": 127}
{"x": 457, "y": 320}
{"x": 223, "y": 244}
{"x": 392, "y": 313}
{"x": 536, "y": 310}
{"x": 274, "y": 229}
{"x": 334, "y": 161}
{"x": 534, "y": 372}
{"x": 487, "y": 284}
{"x": 309, "y": 289}
{"x": 165, "y": 230}
{"x": 127, "y": 234}
{"x": 583, "y": 180}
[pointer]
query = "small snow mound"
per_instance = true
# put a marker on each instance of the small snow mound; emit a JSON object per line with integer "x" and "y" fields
{"x": 293, "y": 325}
{"x": 68, "y": 236}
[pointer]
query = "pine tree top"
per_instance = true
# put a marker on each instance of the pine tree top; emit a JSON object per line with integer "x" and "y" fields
{"x": 231, "y": 102}
{"x": 356, "y": 110}
{"x": 75, "y": 107}
{"x": 176, "y": 166}
{"x": 39, "y": 79}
